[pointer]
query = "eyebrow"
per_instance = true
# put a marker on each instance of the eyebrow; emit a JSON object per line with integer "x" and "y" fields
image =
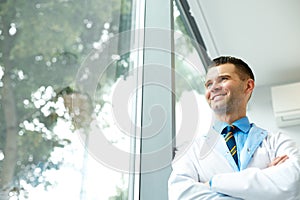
{"x": 224, "y": 75}
{"x": 220, "y": 76}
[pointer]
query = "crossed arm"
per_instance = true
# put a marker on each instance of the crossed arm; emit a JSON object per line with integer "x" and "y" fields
{"x": 280, "y": 180}
{"x": 277, "y": 161}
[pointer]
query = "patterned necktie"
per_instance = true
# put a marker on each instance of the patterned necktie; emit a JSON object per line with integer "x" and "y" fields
{"x": 230, "y": 141}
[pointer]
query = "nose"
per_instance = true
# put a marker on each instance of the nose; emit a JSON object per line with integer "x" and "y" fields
{"x": 215, "y": 86}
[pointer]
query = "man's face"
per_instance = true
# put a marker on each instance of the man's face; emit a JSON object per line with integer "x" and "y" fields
{"x": 225, "y": 91}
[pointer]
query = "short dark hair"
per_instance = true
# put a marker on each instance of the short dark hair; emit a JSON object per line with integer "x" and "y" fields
{"x": 241, "y": 66}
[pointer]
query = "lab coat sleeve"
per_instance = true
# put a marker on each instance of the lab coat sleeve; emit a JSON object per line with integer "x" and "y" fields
{"x": 274, "y": 183}
{"x": 184, "y": 185}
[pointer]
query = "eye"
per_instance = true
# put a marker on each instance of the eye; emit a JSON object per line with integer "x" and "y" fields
{"x": 208, "y": 85}
{"x": 224, "y": 78}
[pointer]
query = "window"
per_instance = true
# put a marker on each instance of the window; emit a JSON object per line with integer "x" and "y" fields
{"x": 60, "y": 61}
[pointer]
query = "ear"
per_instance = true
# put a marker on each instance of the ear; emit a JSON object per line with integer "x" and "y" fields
{"x": 249, "y": 86}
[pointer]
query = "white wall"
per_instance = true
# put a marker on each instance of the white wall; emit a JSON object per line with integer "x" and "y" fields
{"x": 260, "y": 111}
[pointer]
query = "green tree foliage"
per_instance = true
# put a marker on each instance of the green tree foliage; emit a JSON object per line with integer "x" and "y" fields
{"x": 42, "y": 45}
{"x": 188, "y": 77}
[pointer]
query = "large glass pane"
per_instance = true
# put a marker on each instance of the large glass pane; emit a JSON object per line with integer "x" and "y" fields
{"x": 60, "y": 65}
{"x": 157, "y": 105}
{"x": 193, "y": 115}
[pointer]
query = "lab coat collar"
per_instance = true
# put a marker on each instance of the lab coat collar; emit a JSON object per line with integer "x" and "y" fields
{"x": 255, "y": 137}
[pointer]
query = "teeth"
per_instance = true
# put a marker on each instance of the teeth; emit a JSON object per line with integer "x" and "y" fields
{"x": 217, "y": 96}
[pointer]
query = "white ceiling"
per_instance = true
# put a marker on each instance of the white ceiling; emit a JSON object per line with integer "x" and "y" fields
{"x": 265, "y": 33}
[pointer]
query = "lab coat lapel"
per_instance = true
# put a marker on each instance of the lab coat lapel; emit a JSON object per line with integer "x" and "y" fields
{"x": 255, "y": 137}
{"x": 214, "y": 143}
{"x": 210, "y": 140}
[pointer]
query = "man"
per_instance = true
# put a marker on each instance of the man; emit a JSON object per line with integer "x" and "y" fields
{"x": 235, "y": 159}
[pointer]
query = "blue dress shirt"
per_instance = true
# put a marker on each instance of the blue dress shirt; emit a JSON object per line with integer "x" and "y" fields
{"x": 243, "y": 126}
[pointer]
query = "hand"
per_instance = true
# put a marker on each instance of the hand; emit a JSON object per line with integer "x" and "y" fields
{"x": 278, "y": 160}
{"x": 207, "y": 184}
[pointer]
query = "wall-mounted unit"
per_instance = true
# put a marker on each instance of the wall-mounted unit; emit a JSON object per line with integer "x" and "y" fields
{"x": 286, "y": 104}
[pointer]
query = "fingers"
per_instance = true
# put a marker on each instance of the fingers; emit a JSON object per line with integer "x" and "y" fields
{"x": 282, "y": 159}
{"x": 278, "y": 160}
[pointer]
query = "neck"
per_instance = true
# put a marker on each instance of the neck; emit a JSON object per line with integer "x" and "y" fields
{"x": 229, "y": 118}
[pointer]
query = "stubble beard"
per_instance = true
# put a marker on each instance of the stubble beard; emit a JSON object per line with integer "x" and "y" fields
{"x": 225, "y": 107}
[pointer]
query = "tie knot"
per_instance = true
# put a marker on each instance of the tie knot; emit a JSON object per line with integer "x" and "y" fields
{"x": 229, "y": 129}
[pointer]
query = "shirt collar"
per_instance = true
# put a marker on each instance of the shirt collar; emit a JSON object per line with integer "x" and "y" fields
{"x": 242, "y": 124}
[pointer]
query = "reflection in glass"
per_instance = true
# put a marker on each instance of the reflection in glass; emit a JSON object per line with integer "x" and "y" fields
{"x": 193, "y": 115}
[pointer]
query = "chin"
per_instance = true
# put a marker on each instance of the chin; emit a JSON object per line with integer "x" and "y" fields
{"x": 219, "y": 109}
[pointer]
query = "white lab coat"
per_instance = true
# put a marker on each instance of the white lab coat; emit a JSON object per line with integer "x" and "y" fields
{"x": 208, "y": 159}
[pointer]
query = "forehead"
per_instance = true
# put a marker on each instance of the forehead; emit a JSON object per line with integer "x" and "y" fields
{"x": 224, "y": 69}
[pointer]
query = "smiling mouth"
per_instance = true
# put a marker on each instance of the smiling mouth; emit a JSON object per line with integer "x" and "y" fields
{"x": 216, "y": 96}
